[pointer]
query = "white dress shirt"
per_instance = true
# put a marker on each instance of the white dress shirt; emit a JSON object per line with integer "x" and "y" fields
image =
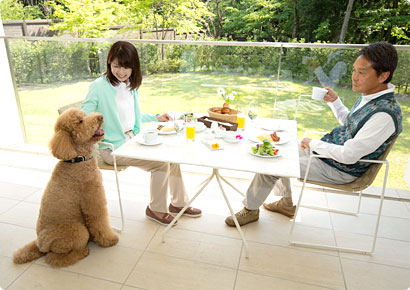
{"x": 373, "y": 133}
{"x": 125, "y": 105}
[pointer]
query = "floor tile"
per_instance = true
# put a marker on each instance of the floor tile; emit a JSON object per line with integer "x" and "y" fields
{"x": 387, "y": 251}
{"x": 47, "y": 278}
{"x": 14, "y": 237}
{"x": 24, "y": 214}
{"x": 155, "y": 271}
{"x": 6, "y": 204}
{"x": 9, "y": 271}
{"x": 16, "y": 191}
{"x": 196, "y": 246}
{"x": 291, "y": 264}
{"x": 247, "y": 281}
{"x": 361, "y": 275}
{"x": 277, "y": 233}
{"x": 137, "y": 235}
{"x": 113, "y": 263}
{"x": 368, "y": 205}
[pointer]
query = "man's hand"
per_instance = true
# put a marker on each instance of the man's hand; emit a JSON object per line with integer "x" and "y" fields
{"x": 305, "y": 143}
{"x": 164, "y": 118}
{"x": 330, "y": 96}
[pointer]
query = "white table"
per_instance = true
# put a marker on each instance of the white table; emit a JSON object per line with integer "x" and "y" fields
{"x": 232, "y": 157}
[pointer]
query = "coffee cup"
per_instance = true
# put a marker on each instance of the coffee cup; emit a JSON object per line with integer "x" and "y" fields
{"x": 230, "y": 136}
{"x": 318, "y": 93}
{"x": 150, "y": 136}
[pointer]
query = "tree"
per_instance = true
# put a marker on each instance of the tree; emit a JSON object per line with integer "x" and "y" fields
{"x": 346, "y": 21}
{"x": 13, "y": 10}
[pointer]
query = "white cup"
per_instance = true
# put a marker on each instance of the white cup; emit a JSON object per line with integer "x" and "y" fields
{"x": 231, "y": 136}
{"x": 150, "y": 136}
{"x": 318, "y": 93}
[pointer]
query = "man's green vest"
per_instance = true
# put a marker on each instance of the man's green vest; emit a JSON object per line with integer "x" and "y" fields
{"x": 355, "y": 120}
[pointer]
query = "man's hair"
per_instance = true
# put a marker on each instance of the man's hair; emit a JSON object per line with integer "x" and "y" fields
{"x": 127, "y": 56}
{"x": 383, "y": 57}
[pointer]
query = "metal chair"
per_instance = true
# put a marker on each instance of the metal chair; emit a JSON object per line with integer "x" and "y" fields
{"x": 354, "y": 188}
{"x": 101, "y": 164}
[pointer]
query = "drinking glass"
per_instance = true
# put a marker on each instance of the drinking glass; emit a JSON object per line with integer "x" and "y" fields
{"x": 253, "y": 110}
{"x": 190, "y": 129}
{"x": 179, "y": 126}
{"x": 240, "y": 118}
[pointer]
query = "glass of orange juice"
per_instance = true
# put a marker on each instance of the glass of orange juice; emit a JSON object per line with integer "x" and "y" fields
{"x": 240, "y": 119}
{"x": 190, "y": 129}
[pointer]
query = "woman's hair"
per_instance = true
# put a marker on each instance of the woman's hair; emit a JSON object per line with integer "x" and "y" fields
{"x": 127, "y": 56}
{"x": 383, "y": 57}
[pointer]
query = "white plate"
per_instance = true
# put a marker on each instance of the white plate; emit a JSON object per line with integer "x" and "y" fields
{"x": 272, "y": 127}
{"x": 283, "y": 138}
{"x": 267, "y": 156}
{"x": 166, "y": 125}
{"x": 141, "y": 141}
{"x": 200, "y": 127}
{"x": 233, "y": 141}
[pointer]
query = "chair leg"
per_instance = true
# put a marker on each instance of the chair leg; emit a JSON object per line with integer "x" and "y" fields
{"x": 119, "y": 196}
{"x": 345, "y": 249}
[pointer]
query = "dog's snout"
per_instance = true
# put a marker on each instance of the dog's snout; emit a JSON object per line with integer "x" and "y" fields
{"x": 100, "y": 118}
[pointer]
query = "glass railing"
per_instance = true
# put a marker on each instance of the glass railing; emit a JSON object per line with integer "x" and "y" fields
{"x": 184, "y": 75}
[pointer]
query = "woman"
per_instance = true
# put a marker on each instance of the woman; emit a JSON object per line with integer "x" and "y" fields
{"x": 115, "y": 96}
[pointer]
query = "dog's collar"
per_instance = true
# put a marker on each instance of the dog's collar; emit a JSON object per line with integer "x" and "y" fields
{"x": 79, "y": 159}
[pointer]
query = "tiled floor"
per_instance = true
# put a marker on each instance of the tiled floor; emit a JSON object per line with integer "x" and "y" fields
{"x": 203, "y": 253}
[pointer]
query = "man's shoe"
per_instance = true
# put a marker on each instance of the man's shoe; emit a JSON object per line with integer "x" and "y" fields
{"x": 245, "y": 216}
{"x": 280, "y": 207}
{"x": 165, "y": 220}
{"x": 189, "y": 212}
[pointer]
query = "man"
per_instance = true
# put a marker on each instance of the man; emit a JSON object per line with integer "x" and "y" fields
{"x": 365, "y": 132}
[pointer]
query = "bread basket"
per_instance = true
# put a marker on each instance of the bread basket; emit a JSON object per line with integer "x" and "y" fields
{"x": 225, "y": 117}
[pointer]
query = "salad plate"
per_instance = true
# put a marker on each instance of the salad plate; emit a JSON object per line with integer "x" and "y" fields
{"x": 266, "y": 147}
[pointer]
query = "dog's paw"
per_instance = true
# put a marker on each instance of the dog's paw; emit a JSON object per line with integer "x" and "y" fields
{"x": 107, "y": 240}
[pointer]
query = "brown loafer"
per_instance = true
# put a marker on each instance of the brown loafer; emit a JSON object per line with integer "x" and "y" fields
{"x": 280, "y": 207}
{"x": 165, "y": 220}
{"x": 189, "y": 212}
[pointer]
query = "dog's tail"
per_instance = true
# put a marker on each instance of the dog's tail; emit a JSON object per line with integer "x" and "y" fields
{"x": 27, "y": 253}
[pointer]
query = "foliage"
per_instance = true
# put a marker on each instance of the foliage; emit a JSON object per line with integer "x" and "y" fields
{"x": 13, "y": 10}
{"x": 87, "y": 18}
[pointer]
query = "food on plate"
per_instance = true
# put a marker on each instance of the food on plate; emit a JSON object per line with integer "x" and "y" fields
{"x": 265, "y": 149}
{"x": 270, "y": 137}
{"x": 165, "y": 129}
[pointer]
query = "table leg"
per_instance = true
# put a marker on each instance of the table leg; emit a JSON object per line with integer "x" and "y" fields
{"x": 218, "y": 176}
{"x": 205, "y": 183}
{"x": 215, "y": 173}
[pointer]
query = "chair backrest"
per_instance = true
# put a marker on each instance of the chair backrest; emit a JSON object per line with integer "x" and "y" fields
{"x": 363, "y": 181}
{"x": 69, "y": 106}
{"x": 100, "y": 161}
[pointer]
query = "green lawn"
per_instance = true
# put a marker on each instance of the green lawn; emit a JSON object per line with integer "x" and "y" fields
{"x": 197, "y": 91}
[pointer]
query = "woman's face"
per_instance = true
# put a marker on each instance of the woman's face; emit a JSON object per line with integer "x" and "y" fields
{"x": 121, "y": 73}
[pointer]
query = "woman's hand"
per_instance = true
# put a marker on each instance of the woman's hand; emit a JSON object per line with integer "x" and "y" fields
{"x": 164, "y": 117}
{"x": 330, "y": 96}
{"x": 305, "y": 143}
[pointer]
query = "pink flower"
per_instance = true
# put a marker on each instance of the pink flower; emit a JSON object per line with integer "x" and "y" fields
{"x": 239, "y": 137}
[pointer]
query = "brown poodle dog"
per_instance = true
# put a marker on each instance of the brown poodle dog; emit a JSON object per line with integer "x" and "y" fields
{"x": 73, "y": 207}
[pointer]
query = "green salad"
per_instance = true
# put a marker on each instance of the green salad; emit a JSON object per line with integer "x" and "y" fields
{"x": 265, "y": 149}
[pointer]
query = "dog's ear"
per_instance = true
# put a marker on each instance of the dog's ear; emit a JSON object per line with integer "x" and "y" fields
{"x": 61, "y": 146}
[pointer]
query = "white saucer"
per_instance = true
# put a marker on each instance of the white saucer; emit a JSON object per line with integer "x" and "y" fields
{"x": 233, "y": 141}
{"x": 272, "y": 127}
{"x": 141, "y": 141}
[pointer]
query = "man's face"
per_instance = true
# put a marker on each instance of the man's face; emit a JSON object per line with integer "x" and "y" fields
{"x": 365, "y": 79}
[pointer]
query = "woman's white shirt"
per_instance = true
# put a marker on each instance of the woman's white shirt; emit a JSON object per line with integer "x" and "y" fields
{"x": 125, "y": 105}
{"x": 373, "y": 133}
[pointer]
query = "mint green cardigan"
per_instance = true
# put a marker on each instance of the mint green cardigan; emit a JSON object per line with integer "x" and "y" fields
{"x": 101, "y": 98}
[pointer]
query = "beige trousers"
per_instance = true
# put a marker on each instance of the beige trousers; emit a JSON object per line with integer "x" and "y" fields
{"x": 163, "y": 176}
